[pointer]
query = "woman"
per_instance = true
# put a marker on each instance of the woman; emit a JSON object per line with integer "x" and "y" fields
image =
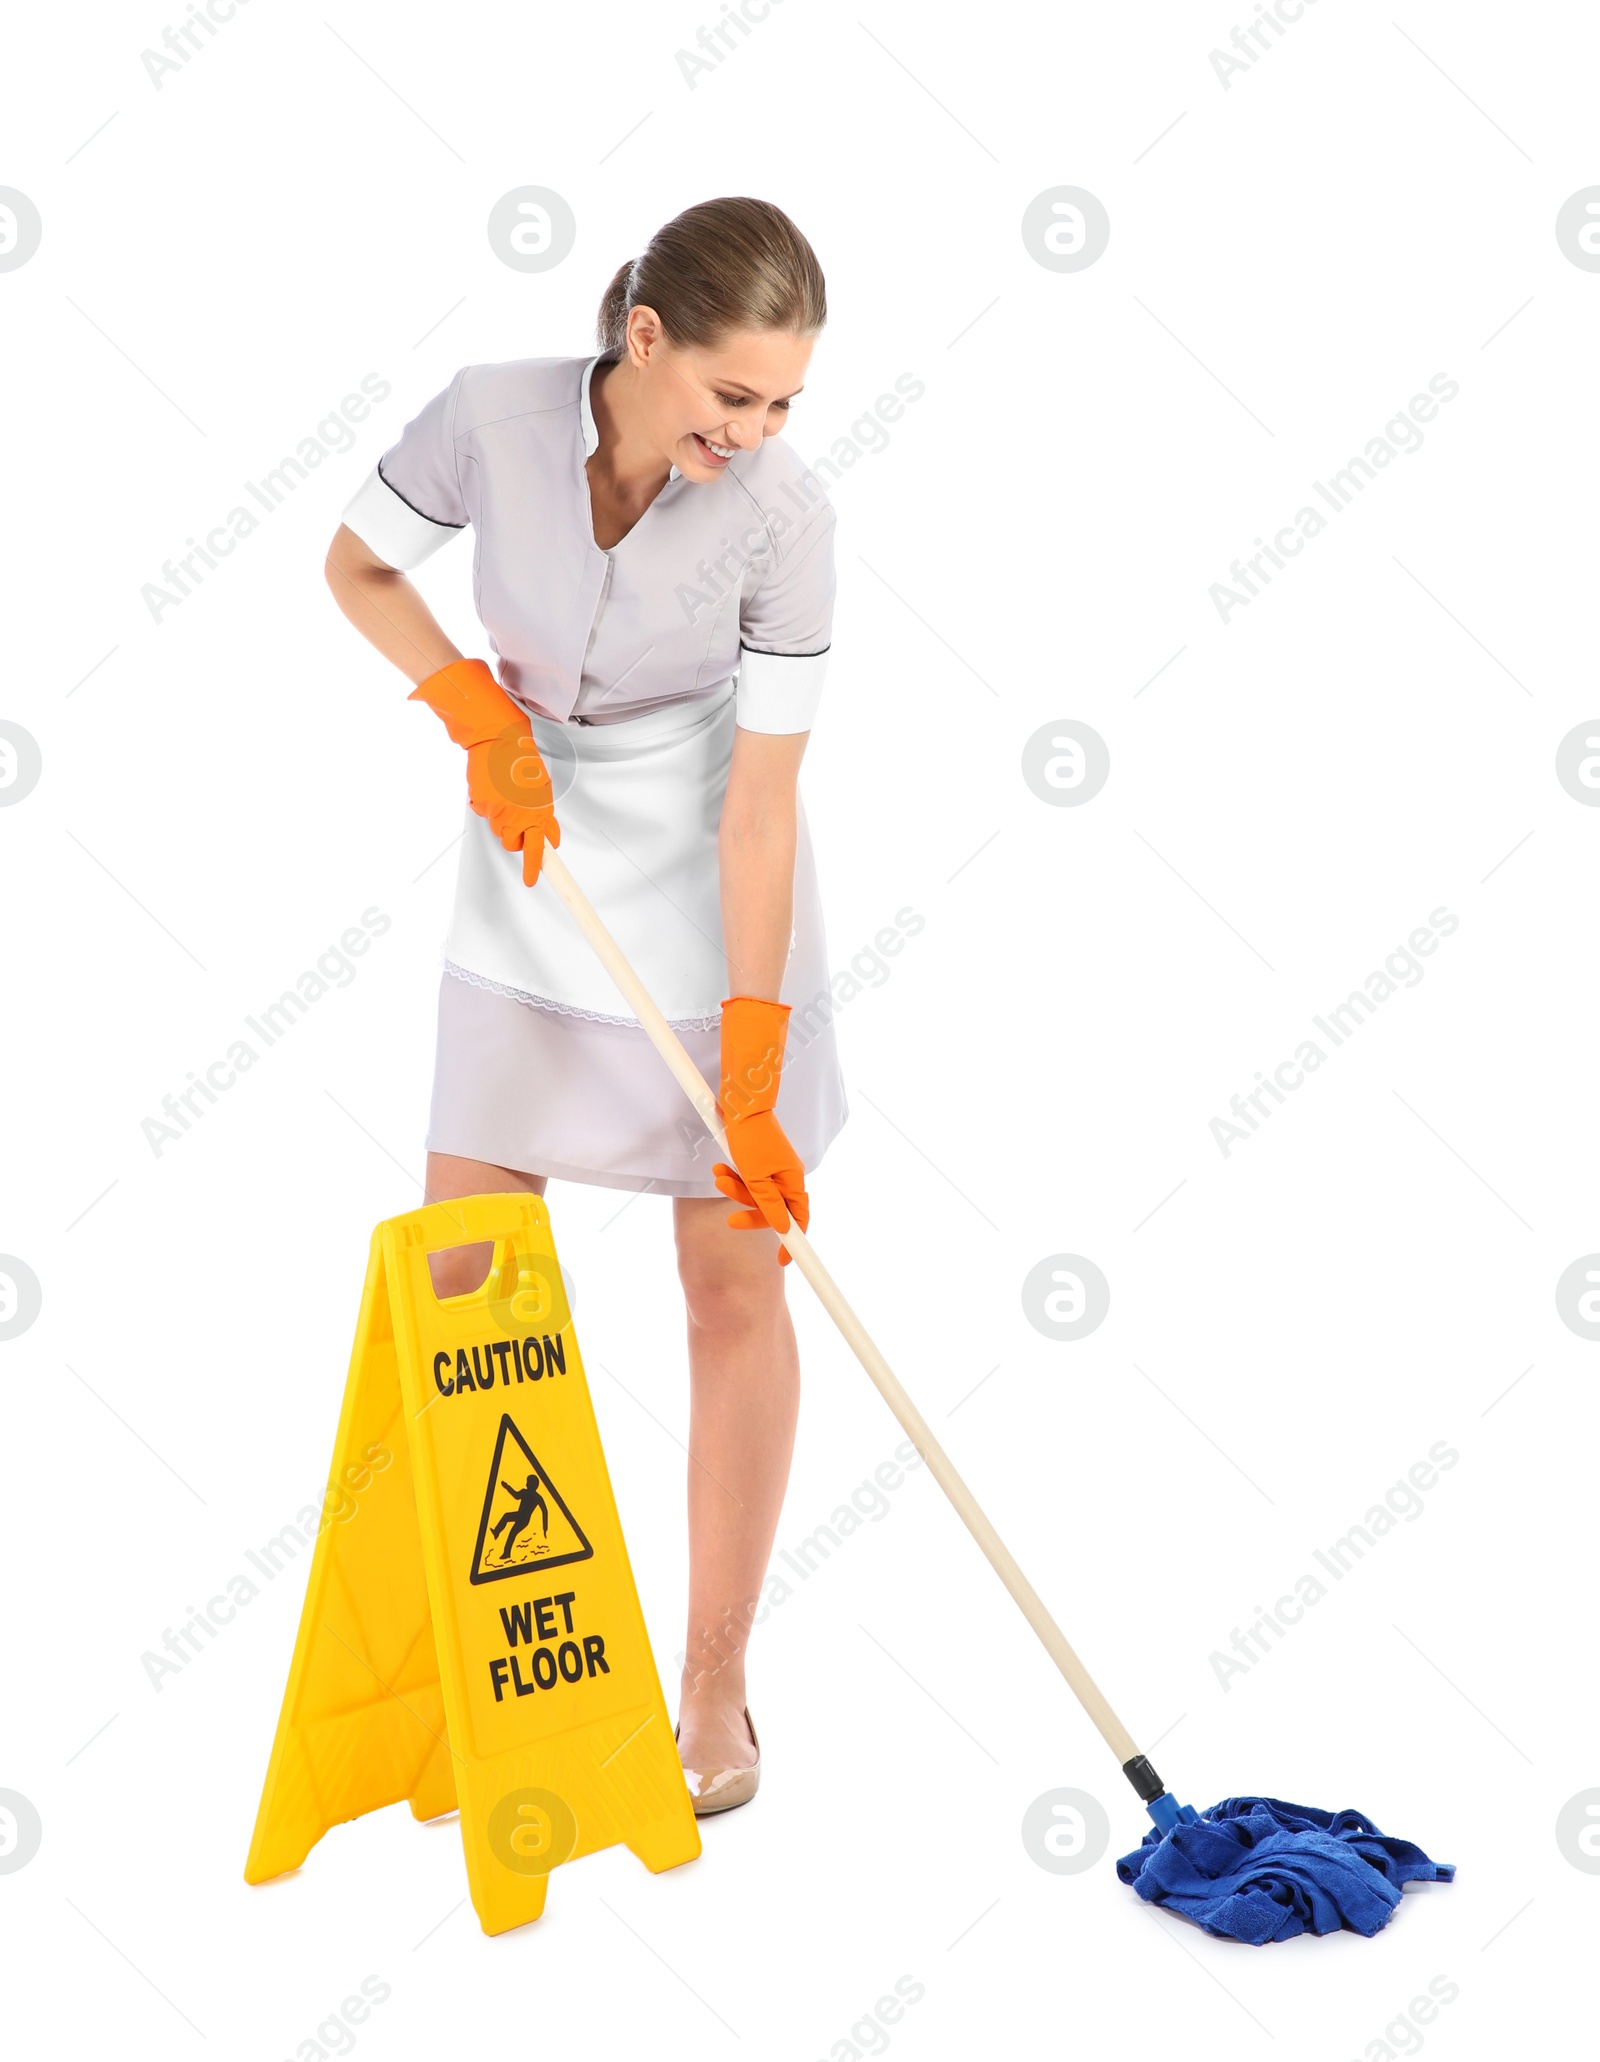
{"x": 641, "y": 539}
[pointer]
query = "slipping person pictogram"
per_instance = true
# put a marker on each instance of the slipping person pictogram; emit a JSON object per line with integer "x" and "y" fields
{"x": 509, "y": 1540}
{"x": 527, "y": 1501}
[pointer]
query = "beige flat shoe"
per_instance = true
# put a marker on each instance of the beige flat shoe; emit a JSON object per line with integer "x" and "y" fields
{"x": 721, "y": 1789}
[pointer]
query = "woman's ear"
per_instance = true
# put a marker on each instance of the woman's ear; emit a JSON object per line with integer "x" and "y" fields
{"x": 645, "y": 334}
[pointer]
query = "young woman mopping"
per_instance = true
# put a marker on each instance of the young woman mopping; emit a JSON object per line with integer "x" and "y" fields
{"x": 654, "y": 570}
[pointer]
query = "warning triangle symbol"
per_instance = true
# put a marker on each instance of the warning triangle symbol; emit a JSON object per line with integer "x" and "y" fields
{"x": 525, "y": 1522}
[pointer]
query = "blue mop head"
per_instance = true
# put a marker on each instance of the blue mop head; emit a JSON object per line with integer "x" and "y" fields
{"x": 1256, "y": 1869}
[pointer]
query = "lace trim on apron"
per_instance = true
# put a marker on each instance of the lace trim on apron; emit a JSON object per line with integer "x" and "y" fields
{"x": 567, "y": 1009}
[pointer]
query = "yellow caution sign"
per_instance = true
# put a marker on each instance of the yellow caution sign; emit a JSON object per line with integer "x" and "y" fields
{"x": 471, "y": 1633}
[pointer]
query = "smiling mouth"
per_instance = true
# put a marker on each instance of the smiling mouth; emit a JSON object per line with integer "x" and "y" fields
{"x": 721, "y": 452}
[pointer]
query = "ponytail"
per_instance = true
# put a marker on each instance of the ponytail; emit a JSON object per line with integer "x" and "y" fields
{"x": 611, "y": 329}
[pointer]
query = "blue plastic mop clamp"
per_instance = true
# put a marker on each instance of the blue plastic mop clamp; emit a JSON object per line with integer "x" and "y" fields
{"x": 1166, "y": 1812}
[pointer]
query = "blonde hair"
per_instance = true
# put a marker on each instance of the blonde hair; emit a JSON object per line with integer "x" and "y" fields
{"x": 720, "y": 266}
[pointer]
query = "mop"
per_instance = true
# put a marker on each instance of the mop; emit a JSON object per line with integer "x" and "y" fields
{"x": 1253, "y": 1869}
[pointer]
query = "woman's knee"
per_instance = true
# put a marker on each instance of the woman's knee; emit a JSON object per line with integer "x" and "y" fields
{"x": 732, "y": 1281}
{"x": 458, "y": 1270}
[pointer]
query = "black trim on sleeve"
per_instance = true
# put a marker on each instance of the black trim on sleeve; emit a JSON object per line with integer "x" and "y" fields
{"x": 762, "y": 649}
{"x": 395, "y": 491}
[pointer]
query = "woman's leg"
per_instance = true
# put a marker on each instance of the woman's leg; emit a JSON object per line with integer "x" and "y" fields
{"x": 457, "y": 1270}
{"x": 744, "y": 1376}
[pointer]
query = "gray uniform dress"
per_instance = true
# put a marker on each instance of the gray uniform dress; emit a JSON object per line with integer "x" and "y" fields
{"x": 634, "y": 665}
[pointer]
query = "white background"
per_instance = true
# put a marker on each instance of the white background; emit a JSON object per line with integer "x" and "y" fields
{"x": 1291, "y": 1325}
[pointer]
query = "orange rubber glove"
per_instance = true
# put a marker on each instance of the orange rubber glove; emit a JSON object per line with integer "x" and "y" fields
{"x": 766, "y": 1177}
{"x": 507, "y": 781}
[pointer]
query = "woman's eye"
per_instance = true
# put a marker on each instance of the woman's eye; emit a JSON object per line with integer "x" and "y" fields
{"x": 733, "y": 400}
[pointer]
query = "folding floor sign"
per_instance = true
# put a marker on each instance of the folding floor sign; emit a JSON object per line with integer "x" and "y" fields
{"x": 471, "y": 1632}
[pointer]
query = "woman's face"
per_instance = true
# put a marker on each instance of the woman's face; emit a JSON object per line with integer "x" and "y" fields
{"x": 703, "y": 404}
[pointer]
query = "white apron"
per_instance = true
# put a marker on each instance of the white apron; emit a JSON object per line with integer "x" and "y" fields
{"x": 541, "y": 1065}
{"x": 639, "y": 804}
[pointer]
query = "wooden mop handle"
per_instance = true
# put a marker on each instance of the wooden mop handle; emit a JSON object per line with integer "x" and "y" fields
{"x": 690, "y": 1079}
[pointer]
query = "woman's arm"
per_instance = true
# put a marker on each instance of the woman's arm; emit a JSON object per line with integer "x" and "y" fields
{"x": 388, "y": 611}
{"x": 516, "y": 800}
{"x": 755, "y": 851}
